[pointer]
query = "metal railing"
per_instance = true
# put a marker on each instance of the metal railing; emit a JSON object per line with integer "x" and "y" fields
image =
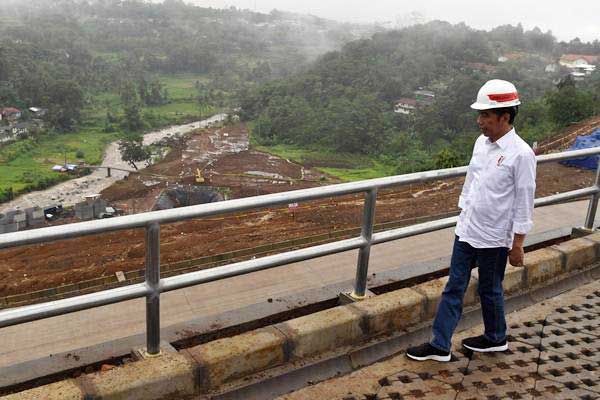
{"x": 154, "y": 286}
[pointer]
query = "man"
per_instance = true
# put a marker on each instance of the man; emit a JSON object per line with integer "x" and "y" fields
{"x": 496, "y": 209}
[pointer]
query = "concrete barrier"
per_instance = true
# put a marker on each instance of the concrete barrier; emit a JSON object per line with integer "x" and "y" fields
{"x": 543, "y": 265}
{"x": 389, "y": 312}
{"x": 226, "y": 359}
{"x": 323, "y": 331}
{"x": 64, "y": 390}
{"x": 163, "y": 377}
{"x": 209, "y": 366}
{"x": 432, "y": 290}
{"x": 578, "y": 253}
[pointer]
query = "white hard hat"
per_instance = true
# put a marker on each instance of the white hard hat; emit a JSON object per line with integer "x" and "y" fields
{"x": 496, "y": 94}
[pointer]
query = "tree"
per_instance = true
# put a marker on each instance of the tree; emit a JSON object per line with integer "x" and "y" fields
{"x": 128, "y": 94}
{"x": 66, "y": 101}
{"x": 447, "y": 158}
{"x": 156, "y": 95}
{"x": 568, "y": 104}
{"x": 133, "y": 117}
{"x": 133, "y": 151}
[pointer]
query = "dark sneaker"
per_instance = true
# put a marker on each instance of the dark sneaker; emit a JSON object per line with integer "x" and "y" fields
{"x": 482, "y": 345}
{"x": 427, "y": 352}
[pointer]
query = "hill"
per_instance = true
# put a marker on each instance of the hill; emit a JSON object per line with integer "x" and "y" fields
{"x": 106, "y": 69}
{"x": 402, "y": 97}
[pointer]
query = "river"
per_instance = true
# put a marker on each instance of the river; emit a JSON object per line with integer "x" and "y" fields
{"x": 73, "y": 191}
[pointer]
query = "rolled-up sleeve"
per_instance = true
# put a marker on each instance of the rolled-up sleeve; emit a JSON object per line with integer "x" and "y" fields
{"x": 525, "y": 170}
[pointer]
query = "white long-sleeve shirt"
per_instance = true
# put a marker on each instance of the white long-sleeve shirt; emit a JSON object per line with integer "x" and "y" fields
{"x": 498, "y": 194}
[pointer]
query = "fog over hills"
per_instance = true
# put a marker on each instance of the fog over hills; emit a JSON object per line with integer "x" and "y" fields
{"x": 565, "y": 21}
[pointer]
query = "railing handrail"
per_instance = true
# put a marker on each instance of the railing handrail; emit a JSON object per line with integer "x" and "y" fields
{"x": 154, "y": 286}
{"x": 60, "y": 232}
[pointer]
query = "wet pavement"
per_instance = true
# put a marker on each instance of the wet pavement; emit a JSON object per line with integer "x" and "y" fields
{"x": 554, "y": 353}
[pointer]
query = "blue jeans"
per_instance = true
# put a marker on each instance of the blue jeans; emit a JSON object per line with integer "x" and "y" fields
{"x": 491, "y": 263}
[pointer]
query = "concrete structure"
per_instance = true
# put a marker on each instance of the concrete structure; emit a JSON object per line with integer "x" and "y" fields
{"x": 233, "y": 301}
{"x": 84, "y": 211}
{"x": 553, "y": 360}
{"x": 35, "y": 216}
{"x": 92, "y": 207}
{"x": 366, "y": 331}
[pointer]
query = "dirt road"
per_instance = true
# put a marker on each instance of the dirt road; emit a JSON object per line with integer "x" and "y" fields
{"x": 72, "y": 192}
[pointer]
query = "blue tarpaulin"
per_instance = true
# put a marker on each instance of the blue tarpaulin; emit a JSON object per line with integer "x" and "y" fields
{"x": 585, "y": 142}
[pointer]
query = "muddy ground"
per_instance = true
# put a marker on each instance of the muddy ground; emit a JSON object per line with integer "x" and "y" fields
{"x": 243, "y": 173}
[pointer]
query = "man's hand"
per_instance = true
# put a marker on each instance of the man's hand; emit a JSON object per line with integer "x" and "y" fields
{"x": 516, "y": 255}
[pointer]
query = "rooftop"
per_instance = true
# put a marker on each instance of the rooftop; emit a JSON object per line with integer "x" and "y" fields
{"x": 574, "y": 57}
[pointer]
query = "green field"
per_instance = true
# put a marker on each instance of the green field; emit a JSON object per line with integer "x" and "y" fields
{"x": 25, "y": 164}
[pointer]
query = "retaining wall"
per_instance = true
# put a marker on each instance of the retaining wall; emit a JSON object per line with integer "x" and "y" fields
{"x": 229, "y": 361}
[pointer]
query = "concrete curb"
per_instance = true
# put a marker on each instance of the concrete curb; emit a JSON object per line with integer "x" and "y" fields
{"x": 207, "y": 367}
{"x": 152, "y": 379}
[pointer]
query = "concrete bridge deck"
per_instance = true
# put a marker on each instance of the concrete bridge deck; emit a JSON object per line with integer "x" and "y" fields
{"x": 554, "y": 353}
{"x": 94, "y": 327}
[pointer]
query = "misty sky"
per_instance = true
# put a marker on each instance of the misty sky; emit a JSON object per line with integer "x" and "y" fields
{"x": 566, "y": 19}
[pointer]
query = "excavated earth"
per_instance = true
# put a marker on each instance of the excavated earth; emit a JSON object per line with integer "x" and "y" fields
{"x": 226, "y": 162}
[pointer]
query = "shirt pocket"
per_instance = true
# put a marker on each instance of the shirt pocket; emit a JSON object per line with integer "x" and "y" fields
{"x": 500, "y": 180}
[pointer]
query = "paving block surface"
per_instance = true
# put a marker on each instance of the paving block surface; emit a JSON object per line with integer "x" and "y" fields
{"x": 545, "y": 360}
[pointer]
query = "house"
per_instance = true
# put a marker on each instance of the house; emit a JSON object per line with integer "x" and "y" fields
{"x": 5, "y": 134}
{"x": 477, "y": 66}
{"x": 424, "y": 97}
{"x": 21, "y": 129}
{"x": 10, "y": 113}
{"x": 38, "y": 112}
{"x": 577, "y": 76}
{"x": 551, "y": 68}
{"x": 405, "y": 106}
{"x": 573, "y": 61}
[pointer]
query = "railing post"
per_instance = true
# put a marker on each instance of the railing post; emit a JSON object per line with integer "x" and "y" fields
{"x": 593, "y": 206}
{"x": 362, "y": 268}
{"x": 153, "y": 283}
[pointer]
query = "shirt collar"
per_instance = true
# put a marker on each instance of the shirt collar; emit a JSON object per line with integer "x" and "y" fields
{"x": 505, "y": 140}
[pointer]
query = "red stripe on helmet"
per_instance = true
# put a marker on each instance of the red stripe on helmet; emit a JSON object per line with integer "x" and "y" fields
{"x": 503, "y": 97}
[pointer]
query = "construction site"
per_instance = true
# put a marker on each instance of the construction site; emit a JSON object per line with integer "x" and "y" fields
{"x": 269, "y": 333}
{"x": 214, "y": 164}
{"x": 219, "y": 163}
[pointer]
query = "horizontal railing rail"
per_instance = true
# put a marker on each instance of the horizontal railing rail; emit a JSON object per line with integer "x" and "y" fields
{"x": 154, "y": 286}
